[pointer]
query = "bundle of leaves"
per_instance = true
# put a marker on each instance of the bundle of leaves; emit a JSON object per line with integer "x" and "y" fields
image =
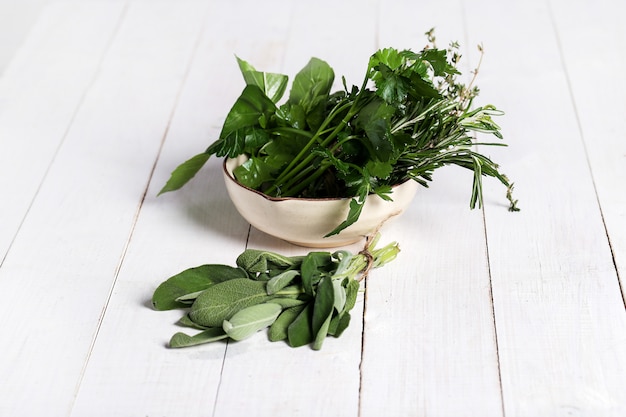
{"x": 410, "y": 116}
{"x": 302, "y": 299}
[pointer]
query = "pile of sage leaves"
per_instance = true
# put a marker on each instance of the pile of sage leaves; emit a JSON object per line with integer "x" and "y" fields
{"x": 302, "y": 299}
{"x": 410, "y": 116}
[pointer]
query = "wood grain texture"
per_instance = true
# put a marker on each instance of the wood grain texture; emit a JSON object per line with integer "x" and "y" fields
{"x": 69, "y": 247}
{"x": 599, "y": 107}
{"x": 484, "y": 313}
{"x": 552, "y": 270}
{"x": 40, "y": 93}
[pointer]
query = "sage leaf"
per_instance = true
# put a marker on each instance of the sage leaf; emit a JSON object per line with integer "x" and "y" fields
{"x": 340, "y": 295}
{"x": 323, "y": 308}
{"x": 288, "y": 302}
{"x": 250, "y": 320}
{"x": 338, "y": 324}
{"x": 221, "y": 301}
{"x": 192, "y": 280}
{"x": 186, "y": 321}
{"x": 280, "y": 281}
{"x": 180, "y": 340}
{"x": 259, "y": 261}
{"x": 278, "y": 330}
{"x": 312, "y": 268}
{"x": 189, "y": 298}
{"x": 299, "y": 332}
{"x": 352, "y": 290}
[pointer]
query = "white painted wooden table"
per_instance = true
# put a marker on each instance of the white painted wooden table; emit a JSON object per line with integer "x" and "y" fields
{"x": 485, "y": 313}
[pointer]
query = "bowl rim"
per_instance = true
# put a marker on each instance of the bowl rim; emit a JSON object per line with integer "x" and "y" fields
{"x": 243, "y": 158}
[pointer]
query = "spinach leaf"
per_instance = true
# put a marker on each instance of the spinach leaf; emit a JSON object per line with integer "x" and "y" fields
{"x": 253, "y": 108}
{"x": 185, "y": 172}
{"x": 309, "y": 93}
{"x": 273, "y": 85}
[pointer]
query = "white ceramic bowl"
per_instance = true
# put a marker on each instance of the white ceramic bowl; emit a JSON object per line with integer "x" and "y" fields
{"x": 305, "y": 221}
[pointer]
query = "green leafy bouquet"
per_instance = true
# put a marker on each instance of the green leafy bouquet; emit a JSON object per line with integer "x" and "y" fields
{"x": 302, "y": 299}
{"x": 410, "y": 116}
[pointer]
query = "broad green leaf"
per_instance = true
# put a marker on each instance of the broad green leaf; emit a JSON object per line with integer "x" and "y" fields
{"x": 167, "y": 295}
{"x": 310, "y": 90}
{"x": 338, "y": 324}
{"x": 299, "y": 332}
{"x": 323, "y": 308}
{"x": 420, "y": 88}
{"x": 278, "y": 330}
{"x": 374, "y": 120}
{"x": 219, "y": 302}
{"x": 257, "y": 261}
{"x": 352, "y": 290}
{"x": 249, "y": 110}
{"x": 313, "y": 265}
{"x": 288, "y": 302}
{"x": 356, "y": 206}
{"x": 189, "y": 298}
{"x": 186, "y": 321}
{"x": 180, "y": 340}
{"x": 254, "y": 172}
{"x": 273, "y": 85}
{"x": 250, "y": 320}
{"x": 185, "y": 172}
{"x": 340, "y": 295}
{"x": 280, "y": 281}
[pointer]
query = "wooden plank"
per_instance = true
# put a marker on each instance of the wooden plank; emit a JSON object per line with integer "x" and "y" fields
{"x": 272, "y": 379}
{"x": 64, "y": 260}
{"x": 16, "y": 20}
{"x": 560, "y": 318}
{"x": 175, "y": 231}
{"x": 39, "y": 94}
{"x": 600, "y": 106}
{"x": 429, "y": 345}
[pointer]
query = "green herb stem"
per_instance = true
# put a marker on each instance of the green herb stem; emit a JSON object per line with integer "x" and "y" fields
{"x": 305, "y": 153}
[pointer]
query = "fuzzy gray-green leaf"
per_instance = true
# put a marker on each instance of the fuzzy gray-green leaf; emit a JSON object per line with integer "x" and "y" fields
{"x": 193, "y": 280}
{"x": 323, "y": 308}
{"x": 250, "y": 320}
{"x": 221, "y": 301}
{"x": 180, "y": 340}
{"x": 278, "y": 330}
{"x": 280, "y": 281}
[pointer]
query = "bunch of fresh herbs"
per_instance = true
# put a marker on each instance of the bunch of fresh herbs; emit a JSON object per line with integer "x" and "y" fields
{"x": 302, "y": 299}
{"x": 410, "y": 116}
